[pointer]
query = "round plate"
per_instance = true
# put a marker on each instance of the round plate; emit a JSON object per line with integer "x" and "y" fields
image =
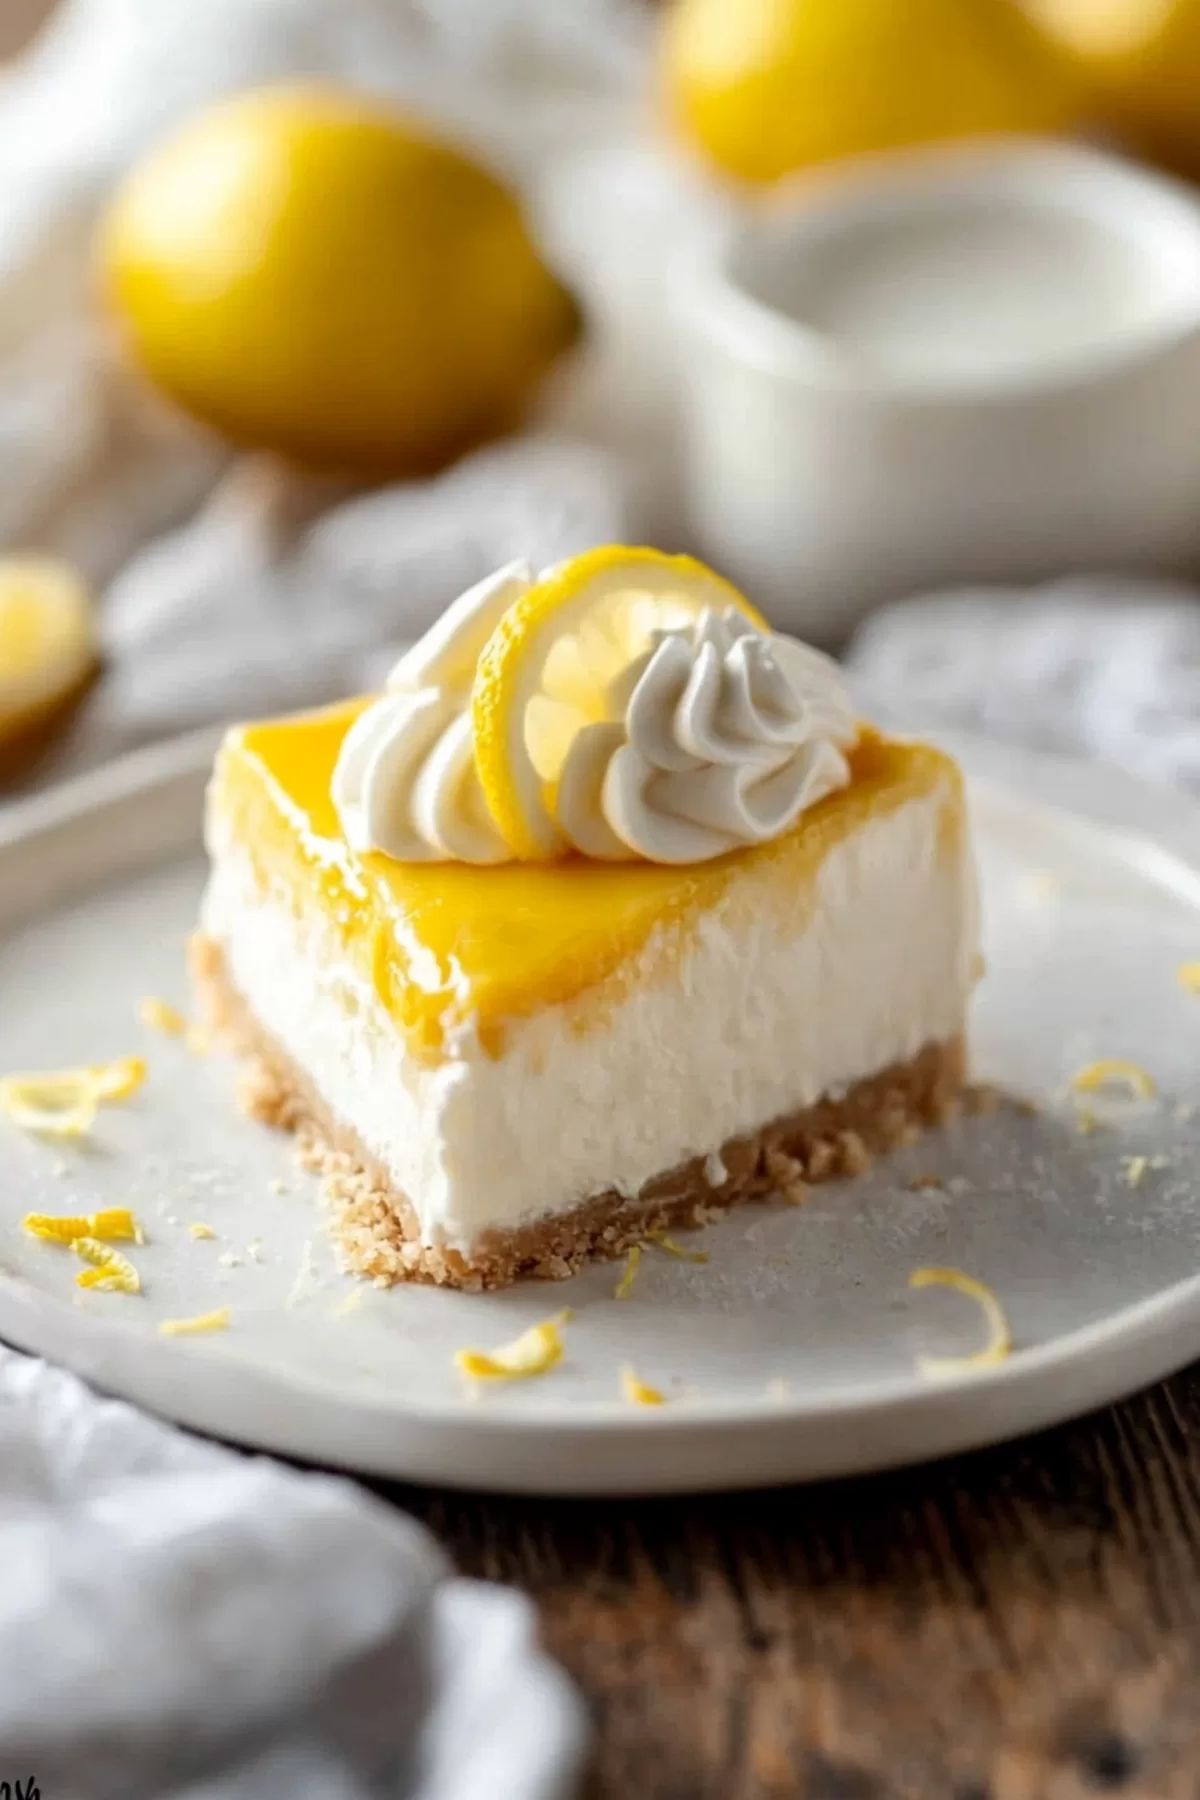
{"x": 792, "y": 1352}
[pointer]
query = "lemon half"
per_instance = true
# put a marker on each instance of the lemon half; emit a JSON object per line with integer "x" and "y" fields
{"x": 47, "y": 640}
{"x": 559, "y": 660}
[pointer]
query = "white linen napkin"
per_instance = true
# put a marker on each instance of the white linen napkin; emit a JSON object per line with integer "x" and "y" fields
{"x": 1098, "y": 666}
{"x": 178, "y": 1620}
{"x": 262, "y": 603}
{"x": 268, "y": 592}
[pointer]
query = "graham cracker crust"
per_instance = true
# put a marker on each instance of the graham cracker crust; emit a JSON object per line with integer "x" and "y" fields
{"x": 375, "y": 1226}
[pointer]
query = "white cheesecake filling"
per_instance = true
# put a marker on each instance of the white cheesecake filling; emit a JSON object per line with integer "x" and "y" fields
{"x": 760, "y": 1021}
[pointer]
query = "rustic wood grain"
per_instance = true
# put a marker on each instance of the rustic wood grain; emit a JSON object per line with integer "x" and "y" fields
{"x": 1020, "y": 1623}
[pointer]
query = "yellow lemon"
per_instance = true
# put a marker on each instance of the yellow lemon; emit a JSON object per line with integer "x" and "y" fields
{"x": 767, "y": 86}
{"x": 307, "y": 271}
{"x": 47, "y": 642}
{"x": 552, "y": 665}
{"x": 1142, "y": 59}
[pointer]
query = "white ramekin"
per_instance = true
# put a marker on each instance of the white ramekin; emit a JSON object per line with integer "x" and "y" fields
{"x": 824, "y": 488}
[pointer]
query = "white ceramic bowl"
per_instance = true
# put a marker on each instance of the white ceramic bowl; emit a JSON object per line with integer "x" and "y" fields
{"x": 825, "y": 483}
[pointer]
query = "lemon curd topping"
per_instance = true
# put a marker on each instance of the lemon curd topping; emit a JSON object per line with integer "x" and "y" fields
{"x": 446, "y": 944}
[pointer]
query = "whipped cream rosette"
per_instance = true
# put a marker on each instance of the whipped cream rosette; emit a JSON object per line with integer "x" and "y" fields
{"x": 669, "y": 741}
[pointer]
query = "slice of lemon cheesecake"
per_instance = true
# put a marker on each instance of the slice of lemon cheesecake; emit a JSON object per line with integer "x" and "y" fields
{"x": 606, "y": 915}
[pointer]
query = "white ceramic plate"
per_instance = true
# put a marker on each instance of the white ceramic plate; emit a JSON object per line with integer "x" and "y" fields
{"x": 792, "y": 1353}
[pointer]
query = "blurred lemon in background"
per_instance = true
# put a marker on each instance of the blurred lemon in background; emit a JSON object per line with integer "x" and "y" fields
{"x": 767, "y": 86}
{"x": 1142, "y": 60}
{"x": 47, "y": 643}
{"x": 308, "y": 272}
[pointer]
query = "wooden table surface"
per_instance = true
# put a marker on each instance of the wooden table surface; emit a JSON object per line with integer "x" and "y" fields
{"x": 1017, "y": 1623}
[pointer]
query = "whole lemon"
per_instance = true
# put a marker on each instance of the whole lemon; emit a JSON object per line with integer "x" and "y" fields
{"x": 1142, "y": 61}
{"x": 309, "y": 272}
{"x": 767, "y": 86}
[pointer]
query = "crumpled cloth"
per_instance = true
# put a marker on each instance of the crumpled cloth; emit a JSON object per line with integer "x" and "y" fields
{"x": 231, "y": 590}
{"x": 181, "y": 1622}
{"x": 261, "y": 603}
{"x": 1097, "y": 666}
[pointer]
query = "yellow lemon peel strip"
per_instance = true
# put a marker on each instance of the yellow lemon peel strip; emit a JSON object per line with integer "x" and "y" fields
{"x": 58, "y": 1229}
{"x": 999, "y": 1342}
{"x": 1112, "y": 1071}
{"x": 110, "y": 1271}
{"x": 160, "y": 1015}
{"x": 52, "y": 1105}
{"x": 47, "y": 639}
{"x": 1188, "y": 977}
{"x": 661, "y": 1241}
{"x": 63, "y": 1102}
{"x": 622, "y": 1289}
{"x": 117, "y": 1080}
{"x": 535, "y": 1351}
{"x": 115, "y": 1224}
{"x": 637, "y": 1392}
{"x": 198, "y": 1229}
{"x": 217, "y": 1320}
{"x": 609, "y": 601}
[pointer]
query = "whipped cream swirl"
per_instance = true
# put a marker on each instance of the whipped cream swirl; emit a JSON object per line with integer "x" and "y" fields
{"x": 721, "y": 735}
{"x": 405, "y": 782}
{"x": 727, "y": 736}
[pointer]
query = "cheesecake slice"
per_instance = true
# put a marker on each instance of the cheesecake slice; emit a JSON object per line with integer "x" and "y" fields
{"x": 509, "y": 1069}
{"x": 608, "y": 914}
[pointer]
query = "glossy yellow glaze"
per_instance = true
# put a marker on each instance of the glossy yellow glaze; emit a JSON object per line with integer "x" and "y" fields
{"x": 446, "y": 942}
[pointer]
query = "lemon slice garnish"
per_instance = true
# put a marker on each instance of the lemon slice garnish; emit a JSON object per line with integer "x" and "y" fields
{"x": 999, "y": 1342}
{"x": 558, "y": 661}
{"x": 47, "y": 642}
